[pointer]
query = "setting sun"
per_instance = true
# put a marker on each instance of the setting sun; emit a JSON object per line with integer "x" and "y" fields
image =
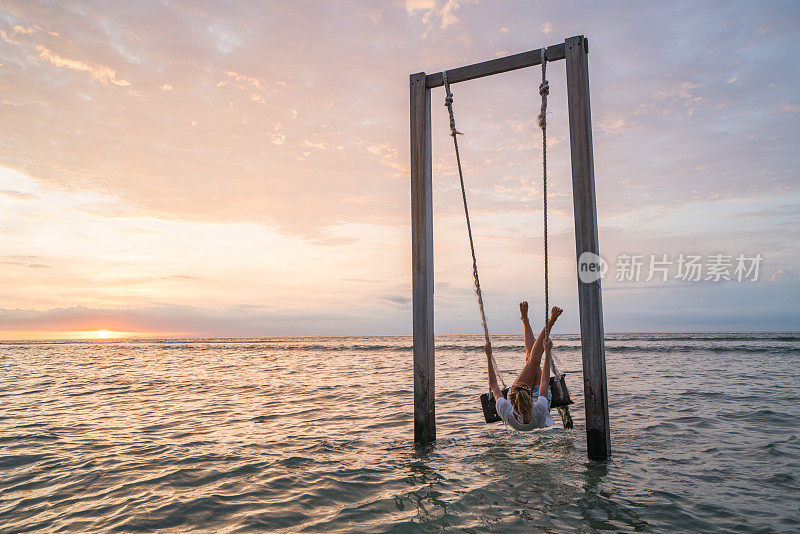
{"x": 101, "y": 334}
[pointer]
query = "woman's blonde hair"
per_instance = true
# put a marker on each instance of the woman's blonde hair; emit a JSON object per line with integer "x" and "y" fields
{"x": 522, "y": 401}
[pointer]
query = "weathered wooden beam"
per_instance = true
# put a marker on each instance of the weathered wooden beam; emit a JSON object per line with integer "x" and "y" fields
{"x": 422, "y": 260}
{"x": 496, "y": 66}
{"x": 598, "y": 439}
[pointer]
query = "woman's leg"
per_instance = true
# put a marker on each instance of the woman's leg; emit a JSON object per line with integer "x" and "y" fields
{"x": 526, "y": 328}
{"x": 530, "y": 373}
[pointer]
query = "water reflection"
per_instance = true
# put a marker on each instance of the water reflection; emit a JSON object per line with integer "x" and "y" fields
{"x": 310, "y": 435}
{"x": 601, "y": 509}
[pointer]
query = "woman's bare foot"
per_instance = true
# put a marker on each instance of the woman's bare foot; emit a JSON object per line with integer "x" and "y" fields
{"x": 523, "y": 310}
{"x": 555, "y": 313}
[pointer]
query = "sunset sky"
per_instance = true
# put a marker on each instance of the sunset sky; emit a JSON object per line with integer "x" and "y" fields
{"x": 241, "y": 168}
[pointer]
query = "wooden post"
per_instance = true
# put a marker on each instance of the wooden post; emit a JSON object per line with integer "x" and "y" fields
{"x": 422, "y": 260}
{"x": 598, "y": 441}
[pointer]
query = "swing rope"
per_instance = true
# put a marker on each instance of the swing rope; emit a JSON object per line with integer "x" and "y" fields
{"x": 544, "y": 91}
{"x": 476, "y": 282}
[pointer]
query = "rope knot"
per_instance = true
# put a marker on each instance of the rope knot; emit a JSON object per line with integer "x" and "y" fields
{"x": 544, "y": 88}
{"x": 448, "y": 103}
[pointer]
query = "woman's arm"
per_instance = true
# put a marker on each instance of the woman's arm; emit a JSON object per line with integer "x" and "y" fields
{"x": 492, "y": 375}
{"x": 545, "y": 381}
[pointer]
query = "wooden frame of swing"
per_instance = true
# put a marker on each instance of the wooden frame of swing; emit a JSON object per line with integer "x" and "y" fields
{"x": 574, "y": 50}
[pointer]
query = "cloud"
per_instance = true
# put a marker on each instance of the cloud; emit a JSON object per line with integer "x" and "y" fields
{"x": 9, "y": 39}
{"x": 241, "y": 79}
{"x": 389, "y": 156}
{"x": 129, "y": 182}
{"x": 18, "y": 195}
{"x": 166, "y": 87}
{"x": 315, "y": 144}
{"x": 19, "y": 31}
{"x": 32, "y": 262}
{"x": 613, "y": 126}
{"x": 441, "y": 10}
{"x": 419, "y": 5}
{"x": 401, "y": 300}
{"x": 447, "y": 13}
{"x": 101, "y": 73}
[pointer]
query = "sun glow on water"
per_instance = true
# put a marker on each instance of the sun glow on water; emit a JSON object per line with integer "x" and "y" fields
{"x": 102, "y": 334}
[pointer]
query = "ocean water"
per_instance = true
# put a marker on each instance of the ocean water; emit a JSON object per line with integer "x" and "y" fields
{"x": 315, "y": 435}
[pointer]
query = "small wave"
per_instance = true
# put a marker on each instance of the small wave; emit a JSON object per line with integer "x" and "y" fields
{"x": 781, "y": 479}
{"x": 296, "y": 461}
{"x": 495, "y": 347}
{"x": 707, "y": 394}
{"x": 17, "y": 460}
{"x": 265, "y": 418}
{"x": 711, "y": 336}
{"x": 23, "y": 438}
{"x": 702, "y": 348}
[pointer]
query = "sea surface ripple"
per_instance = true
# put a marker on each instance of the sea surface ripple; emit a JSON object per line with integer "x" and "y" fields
{"x": 315, "y": 435}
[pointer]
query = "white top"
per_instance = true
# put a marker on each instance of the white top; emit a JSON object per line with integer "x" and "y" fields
{"x": 541, "y": 414}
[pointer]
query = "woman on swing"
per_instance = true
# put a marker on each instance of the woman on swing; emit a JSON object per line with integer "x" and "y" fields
{"x": 521, "y": 410}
